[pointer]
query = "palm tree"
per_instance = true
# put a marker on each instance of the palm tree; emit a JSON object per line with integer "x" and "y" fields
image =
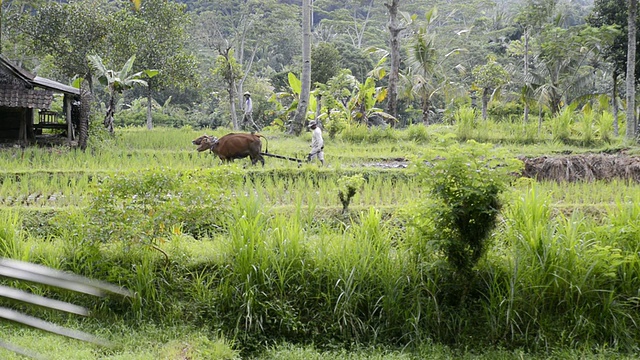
{"x": 422, "y": 60}
{"x": 117, "y": 81}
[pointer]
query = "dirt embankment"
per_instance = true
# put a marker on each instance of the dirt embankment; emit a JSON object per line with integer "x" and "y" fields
{"x": 583, "y": 167}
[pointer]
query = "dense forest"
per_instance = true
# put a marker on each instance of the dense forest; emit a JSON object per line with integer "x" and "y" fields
{"x": 208, "y": 53}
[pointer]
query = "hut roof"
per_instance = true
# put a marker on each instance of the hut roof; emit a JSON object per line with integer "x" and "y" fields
{"x": 37, "y": 81}
{"x": 55, "y": 86}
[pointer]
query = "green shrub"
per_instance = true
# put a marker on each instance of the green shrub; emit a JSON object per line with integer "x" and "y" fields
{"x": 501, "y": 111}
{"x": 464, "y": 190}
{"x": 587, "y": 129}
{"x": 359, "y": 133}
{"x": 347, "y": 188}
{"x": 143, "y": 207}
{"x": 334, "y": 124}
{"x": 378, "y": 134}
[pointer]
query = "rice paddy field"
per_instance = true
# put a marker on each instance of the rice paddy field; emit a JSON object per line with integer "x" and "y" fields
{"x": 353, "y": 260}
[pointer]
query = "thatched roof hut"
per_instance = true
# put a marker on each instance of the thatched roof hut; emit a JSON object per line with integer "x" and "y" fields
{"x": 25, "y": 101}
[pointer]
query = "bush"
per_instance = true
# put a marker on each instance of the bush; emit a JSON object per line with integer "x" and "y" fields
{"x": 334, "y": 124}
{"x": 157, "y": 204}
{"x": 464, "y": 201}
{"x": 418, "y": 133}
{"x": 605, "y": 123}
{"x": 347, "y": 188}
{"x": 357, "y": 133}
{"x": 505, "y": 111}
{"x": 362, "y": 134}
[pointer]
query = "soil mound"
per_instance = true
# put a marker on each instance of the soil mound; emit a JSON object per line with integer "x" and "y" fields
{"x": 584, "y": 167}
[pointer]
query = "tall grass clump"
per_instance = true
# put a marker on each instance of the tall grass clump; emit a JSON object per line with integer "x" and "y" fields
{"x": 464, "y": 202}
{"x": 465, "y": 119}
{"x": 418, "y": 133}
{"x": 529, "y": 134}
{"x": 563, "y": 273}
{"x": 347, "y": 188}
{"x": 561, "y": 124}
{"x": 605, "y": 126}
{"x": 587, "y": 129}
{"x": 11, "y": 238}
{"x": 264, "y": 278}
{"x": 284, "y": 279}
{"x": 355, "y": 133}
{"x": 361, "y": 133}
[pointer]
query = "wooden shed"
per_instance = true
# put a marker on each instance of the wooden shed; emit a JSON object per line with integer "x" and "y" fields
{"x": 25, "y": 101}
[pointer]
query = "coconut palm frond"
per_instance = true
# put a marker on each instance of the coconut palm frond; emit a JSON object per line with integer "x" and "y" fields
{"x": 39, "y": 274}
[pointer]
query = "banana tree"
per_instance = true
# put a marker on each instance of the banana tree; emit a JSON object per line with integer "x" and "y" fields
{"x": 286, "y": 102}
{"x": 118, "y": 81}
{"x": 347, "y": 100}
{"x": 365, "y": 97}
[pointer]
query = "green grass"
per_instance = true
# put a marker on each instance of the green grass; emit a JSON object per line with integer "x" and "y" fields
{"x": 149, "y": 342}
{"x": 282, "y": 265}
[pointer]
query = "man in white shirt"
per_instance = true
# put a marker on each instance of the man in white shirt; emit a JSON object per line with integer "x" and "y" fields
{"x": 317, "y": 143}
{"x": 247, "y": 117}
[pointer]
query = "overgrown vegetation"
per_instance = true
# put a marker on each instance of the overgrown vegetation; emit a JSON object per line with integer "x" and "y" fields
{"x": 453, "y": 253}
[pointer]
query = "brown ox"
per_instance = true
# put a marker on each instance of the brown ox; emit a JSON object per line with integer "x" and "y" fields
{"x": 232, "y": 146}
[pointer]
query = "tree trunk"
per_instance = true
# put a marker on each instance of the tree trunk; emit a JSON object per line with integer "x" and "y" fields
{"x": 394, "y": 74}
{"x": 539, "y": 120}
{"x": 526, "y": 75}
{"x": 485, "y": 102}
{"x": 111, "y": 109}
{"x": 555, "y": 101}
{"x": 232, "y": 105}
{"x": 303, "y": 103}
{"x": 614, "y": 103}
{"x": 425, "y": 110}
{"x": 318, "y": 108}
{"x": 631, "y": 73}
{"x": 85, "y": 110}
{"x": 149, "y": 101}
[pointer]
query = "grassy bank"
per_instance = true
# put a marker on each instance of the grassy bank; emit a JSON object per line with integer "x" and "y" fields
{"x": 243, "y": 261}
